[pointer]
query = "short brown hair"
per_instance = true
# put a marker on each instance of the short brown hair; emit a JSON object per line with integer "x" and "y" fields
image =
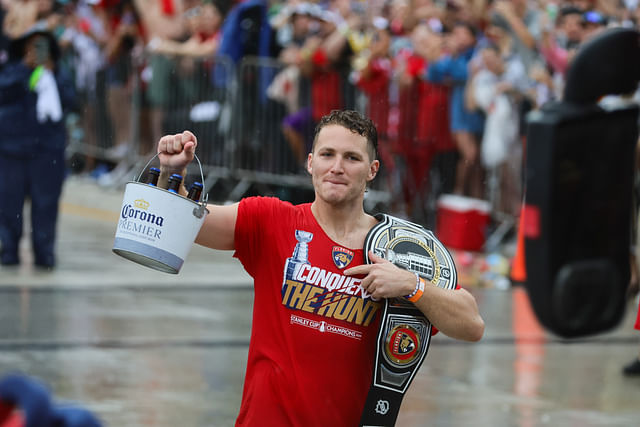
{"x": 356, "y": 123}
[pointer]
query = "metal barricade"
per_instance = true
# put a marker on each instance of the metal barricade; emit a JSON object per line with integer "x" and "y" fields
{"x": 227, "y": 106}
{"x": 103, "y": 127}
{"x": 163, "y": 95}
{"x": 90, "y": 129}
{"x": 195, "y": 94}
{"x": 263, "y": 154}
{"x": 199, "y": 96}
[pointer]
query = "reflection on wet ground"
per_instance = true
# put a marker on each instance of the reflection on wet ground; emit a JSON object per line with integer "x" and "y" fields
{"x": 144, "y": 356}
{"x": 134, "y": 356}
{"x": 142, "y": 348}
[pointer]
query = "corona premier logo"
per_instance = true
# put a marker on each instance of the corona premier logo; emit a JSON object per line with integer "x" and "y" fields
{"x": 139, "y": 212}
{"x": 141, "y": 204}
{"x": 402, "y": 344}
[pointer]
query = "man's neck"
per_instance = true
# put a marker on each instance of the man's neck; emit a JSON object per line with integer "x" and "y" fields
{"x": 347, "y": 225}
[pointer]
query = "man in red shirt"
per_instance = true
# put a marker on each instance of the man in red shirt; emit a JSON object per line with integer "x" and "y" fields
{"x": 316, "y": 307}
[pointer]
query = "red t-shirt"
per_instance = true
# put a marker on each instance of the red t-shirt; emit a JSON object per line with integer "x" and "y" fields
{"x": 408, "y": 98}
{"x": 376, "y": 86}
{"x": 432, "y": 127}
{"x": 424, "y": 112}
{"x": 10, "y": 416}
{"x": 314, "y": 329}
{"x": 326, "y": 86}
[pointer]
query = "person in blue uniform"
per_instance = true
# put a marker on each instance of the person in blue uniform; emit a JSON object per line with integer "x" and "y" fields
{"x": 33, "y": 95}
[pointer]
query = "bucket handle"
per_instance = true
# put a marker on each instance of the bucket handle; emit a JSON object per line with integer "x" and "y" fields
{"x": 198, "y": 212}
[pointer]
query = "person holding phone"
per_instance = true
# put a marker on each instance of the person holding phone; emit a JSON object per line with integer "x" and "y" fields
{"x": 34, "y": 93}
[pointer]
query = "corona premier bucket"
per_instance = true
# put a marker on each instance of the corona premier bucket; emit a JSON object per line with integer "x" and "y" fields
{"x": 157, "y": 228}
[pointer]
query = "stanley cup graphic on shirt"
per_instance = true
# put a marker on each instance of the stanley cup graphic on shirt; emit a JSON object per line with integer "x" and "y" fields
{"x": 300, "y": 254}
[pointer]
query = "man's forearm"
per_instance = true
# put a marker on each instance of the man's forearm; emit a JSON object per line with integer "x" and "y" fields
{"x": 453, "y": 312}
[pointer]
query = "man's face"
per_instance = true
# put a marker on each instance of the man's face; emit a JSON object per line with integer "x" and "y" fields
{"x": 44, "y": 6}
{"x": 192, "y": 19}
{"x": 210, "y": 19}
{"x": 572, "y": 27}
{"x": 495, "y": 33}
{"x": 493, "y": 61}
{"x": 36, "y": 51}
{"x": 340, "y": 165}
{"x": 462, "y": 38}
{"x": 420, "y": 40}
{"x": 301, "y": 24}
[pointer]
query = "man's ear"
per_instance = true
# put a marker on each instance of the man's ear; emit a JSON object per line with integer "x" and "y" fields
{"x": 309, "y": 159}
{"x": 374, "y": 167}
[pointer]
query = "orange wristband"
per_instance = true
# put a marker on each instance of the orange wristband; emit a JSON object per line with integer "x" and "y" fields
{"x": 419, "y": 290}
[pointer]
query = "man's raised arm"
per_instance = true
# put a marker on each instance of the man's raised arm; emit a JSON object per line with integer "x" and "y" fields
{"x": 175, "y": 152}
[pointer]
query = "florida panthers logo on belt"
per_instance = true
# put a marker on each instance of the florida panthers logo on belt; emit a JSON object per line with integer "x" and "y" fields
{"x": 402, "y": 344}
{"x": 341, "y": 256}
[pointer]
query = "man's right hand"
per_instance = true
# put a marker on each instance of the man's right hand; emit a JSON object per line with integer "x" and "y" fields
{"x": 175, "y": 152}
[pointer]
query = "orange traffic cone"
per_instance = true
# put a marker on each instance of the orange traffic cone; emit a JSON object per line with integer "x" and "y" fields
{"x": 518, "y": 265}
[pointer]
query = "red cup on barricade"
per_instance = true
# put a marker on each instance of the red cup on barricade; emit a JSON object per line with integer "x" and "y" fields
{"x": 462, "y": 222}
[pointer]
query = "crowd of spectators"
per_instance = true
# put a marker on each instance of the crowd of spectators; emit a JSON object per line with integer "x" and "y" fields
{"x": 447, "y": 82}
{"x": 109, "y": 46}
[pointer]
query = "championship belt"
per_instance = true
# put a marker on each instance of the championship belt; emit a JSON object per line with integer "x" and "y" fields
{"x": 405, "y": 333}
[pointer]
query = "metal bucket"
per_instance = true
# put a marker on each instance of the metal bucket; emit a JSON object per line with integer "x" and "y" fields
{"x": 156, "y": 227}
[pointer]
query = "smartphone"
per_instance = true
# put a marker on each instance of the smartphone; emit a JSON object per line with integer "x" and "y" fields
{"x": 41, "y": 47}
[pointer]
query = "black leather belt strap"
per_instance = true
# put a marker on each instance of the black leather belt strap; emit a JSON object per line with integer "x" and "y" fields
{"x": 405, "y": 333}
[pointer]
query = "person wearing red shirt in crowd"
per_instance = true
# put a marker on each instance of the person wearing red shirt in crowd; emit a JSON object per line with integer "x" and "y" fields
{"x": 424, "y": 132}
{"x": 297, "y": 34}
{"x": 203, "y": 22}
{"x": 325, "y": 60}
{"x": 125, "y": 36}
{"x": 315, "y": 314}
{"x": 375, "y": 77}
{"x": 327, "y": 72}
{"x": 374, "y": 80}
{"x": 432, "y": 130}
{"x": 453, "y": 68}
{"x": 410, "y": 66}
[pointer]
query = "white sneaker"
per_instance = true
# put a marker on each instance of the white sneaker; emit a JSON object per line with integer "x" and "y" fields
{"x": 118, "y": 152}
{"x": 115, "y": 176}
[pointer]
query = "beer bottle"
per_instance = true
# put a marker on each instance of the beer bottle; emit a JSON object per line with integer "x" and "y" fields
{"x": 152, "y": 176}
{"x": 195, "y": 191}
{"x": 174, "y": 183}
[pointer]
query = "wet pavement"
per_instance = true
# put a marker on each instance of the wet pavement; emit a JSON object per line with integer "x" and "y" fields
{"x": 143, "y": 348}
